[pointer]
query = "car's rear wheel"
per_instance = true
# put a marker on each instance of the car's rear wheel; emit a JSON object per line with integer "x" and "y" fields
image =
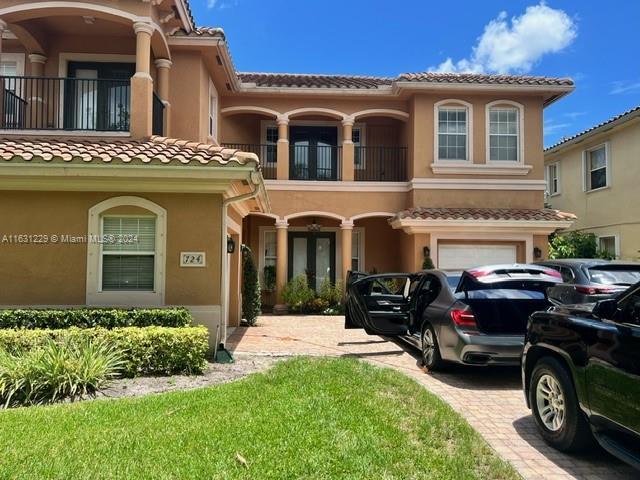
{"x": 431, "y": 358}
{"x": 555, "y": 407}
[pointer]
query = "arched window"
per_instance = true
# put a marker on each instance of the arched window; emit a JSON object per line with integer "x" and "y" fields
{"x": 453, "y": 131}
{"x": 126, "y": 252}
{"x": 504, "y": 131}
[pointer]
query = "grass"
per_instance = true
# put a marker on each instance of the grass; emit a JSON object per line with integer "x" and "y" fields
{"x": 305, "y": 418}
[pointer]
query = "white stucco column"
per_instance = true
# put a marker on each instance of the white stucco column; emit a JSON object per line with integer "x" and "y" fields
{"x": 346, "y": 235}
{"x": 141, "y": 83}
{"x": 282, "y": 150}
{"x": 3, "y": 28}
{"x": 348, "y": 150}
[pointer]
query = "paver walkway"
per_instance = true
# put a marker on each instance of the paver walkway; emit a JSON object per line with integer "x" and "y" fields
{"x": 489, "y": 398}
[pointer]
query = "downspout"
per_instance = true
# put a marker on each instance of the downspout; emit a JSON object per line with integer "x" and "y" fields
{"x": 255, "y": 181}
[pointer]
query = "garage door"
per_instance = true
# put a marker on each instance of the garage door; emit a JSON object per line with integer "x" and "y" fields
{"x": 460, "y": 257}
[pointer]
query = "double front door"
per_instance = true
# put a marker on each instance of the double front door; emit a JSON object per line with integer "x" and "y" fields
{"x": 313, "y": 153}
{"x": 313, "y": 255}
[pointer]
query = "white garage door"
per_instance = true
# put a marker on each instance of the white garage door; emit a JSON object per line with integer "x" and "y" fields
{"x": 460, "y": 257}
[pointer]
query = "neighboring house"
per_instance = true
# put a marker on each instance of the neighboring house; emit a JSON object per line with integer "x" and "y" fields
{"x": 361, "y": 173}
{"x": 594, "y": 174}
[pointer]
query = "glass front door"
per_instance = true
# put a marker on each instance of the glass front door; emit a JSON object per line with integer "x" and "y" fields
{"x": 313, "y": 153}
{"x": 313, "y": 255}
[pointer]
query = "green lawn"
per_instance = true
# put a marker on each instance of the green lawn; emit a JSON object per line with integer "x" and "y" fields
{"x": 305, "y": 418}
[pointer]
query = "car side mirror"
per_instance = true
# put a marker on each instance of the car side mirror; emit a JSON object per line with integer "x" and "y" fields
{"x": 606, "y": 308}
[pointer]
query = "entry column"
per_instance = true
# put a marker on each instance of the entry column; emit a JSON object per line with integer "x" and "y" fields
{"x": 346, "y": 233}
{"x": 163, "y": 66}
{"x": 282, "y": 229}
{"x": 348, "y": 150}
{"x": 142, "y": 84}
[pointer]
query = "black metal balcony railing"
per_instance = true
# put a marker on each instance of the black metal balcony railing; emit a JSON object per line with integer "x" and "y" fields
{"x": 157, "y": 116}
{"x": 315, "y": 162}
{"x": 47, "y": 103}
{"x": 267, "y": 153}
{"x": 380, "y": 164}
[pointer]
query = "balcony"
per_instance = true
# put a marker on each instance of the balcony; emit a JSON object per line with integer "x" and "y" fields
{"x": 68, "y": 104}
{"x": 380, "y": 164}
{"x": 267, "y": 153}
{"x": 315, "y": 162}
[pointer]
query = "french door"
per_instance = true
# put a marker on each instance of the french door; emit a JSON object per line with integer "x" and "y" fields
{"x": 97, "y": 96}
{"x": 313, "y": 255}
{"x": 313, "y": 153}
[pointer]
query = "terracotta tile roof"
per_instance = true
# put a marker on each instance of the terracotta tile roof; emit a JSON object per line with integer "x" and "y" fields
{"x": 434, "y": 77}
{"x": 624, "y": 116}
{"x": 541, "y": 215}
{"x": 313, "y": 81}
{"x": 201, "y": 32}
{"x": 156, "y": 150}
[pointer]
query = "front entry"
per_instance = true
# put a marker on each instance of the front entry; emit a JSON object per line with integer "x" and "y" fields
{"x": 314, "y": 255}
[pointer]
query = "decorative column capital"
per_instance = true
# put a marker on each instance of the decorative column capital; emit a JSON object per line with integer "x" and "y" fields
{"x": 282, "y": 224}
{"x": 163, "y": 63}
{"x": 346, "y": 225}
{"x": 37, "y": 58}
{"x": 348, "y": 122}
{"x": 3, "y": 26}
{"x": 282, "y": 120}
{"x": 143, "y": 27}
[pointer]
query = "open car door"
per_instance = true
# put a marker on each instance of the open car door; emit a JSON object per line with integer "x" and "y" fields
{"x": 379, "y": 304}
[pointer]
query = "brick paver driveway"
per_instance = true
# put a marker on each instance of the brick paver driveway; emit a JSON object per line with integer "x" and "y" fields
{"x": 490, "y": 399}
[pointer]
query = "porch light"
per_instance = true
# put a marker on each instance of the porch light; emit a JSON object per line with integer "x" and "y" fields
{"x": 314, "y": 227}
{"x": 231, "y": 245}
{"x": 537, "y": 253}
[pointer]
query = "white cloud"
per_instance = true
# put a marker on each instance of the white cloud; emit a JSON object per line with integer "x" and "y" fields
{"x": 551, "y": 126}
{"x": 516, "y": 45}
{"x": 624, "y": 87}
{"x": 211, "y": 3}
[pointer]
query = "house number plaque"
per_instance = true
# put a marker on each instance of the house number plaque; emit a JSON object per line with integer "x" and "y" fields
{"x": 192, "y": 259}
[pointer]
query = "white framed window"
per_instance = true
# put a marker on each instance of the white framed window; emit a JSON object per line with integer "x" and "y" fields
{"x": 213, "y": 111}
{"x": 552, "y": 175}
{"x": 271, "y": 142}
{"x": 609, "y": 244}
{"x": 126, "y": 254}
{"x": 504, "y": 134}
{"x": 270, "y": 248}
{"x": 356, "y": 263}
{"x": 596, "y": 167}
{"x": 452, "y": 133}
{"x": 359, "y": 158}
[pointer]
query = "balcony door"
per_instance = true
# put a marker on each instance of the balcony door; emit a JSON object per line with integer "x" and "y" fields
{"x": 314, "y": 255}
{"x": 97, "y": 96}
{"x": 314, "y": 153}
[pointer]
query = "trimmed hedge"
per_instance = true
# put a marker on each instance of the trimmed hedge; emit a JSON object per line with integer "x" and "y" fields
{"x": 95, "y": 317}
{"x": 145, "y": 351}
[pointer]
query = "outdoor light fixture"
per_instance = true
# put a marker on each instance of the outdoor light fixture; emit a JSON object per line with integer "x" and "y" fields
{"x": 537, "y": 253}
{"x": 426, "y": 252}
{"x": 313, "y": 226}
{"x": 231, "y": 245}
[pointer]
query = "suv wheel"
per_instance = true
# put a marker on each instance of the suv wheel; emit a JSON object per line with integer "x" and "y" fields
{"x": 555, "y": 407}
{"x": 430, "y": 350}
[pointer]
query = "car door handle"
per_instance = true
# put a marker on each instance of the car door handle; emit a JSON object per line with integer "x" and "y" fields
{"x": 384, "y": 303}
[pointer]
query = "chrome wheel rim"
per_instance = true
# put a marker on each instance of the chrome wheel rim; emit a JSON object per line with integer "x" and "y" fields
{"x": 550, "y": 402}
{"x": 428, "y": 347}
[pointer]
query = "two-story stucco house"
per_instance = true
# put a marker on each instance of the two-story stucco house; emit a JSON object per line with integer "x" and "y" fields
{"x": 593, "y": 174}
{"x": 123, "y": 119}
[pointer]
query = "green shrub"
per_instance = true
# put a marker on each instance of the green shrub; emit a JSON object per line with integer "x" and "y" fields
{"x": 297, "y": 293}
{"x": 427, "y": 263}
{"x": 331, "y": 293}
{"x": 315, "y": 305}
{"x": 56, "y": 371}
{"x": 269, "y": 273}
{"x": 145, "y": 351}
{"x": 576, "y": 245}
{"x": 95, "y": 317}
{"x": 251, "y": 300}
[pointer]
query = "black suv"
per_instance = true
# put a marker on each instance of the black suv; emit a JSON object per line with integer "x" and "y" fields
{"x": 581, "y": 374}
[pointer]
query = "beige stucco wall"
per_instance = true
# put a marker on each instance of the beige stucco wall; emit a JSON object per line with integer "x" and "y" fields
{"x": 55, "y": 274}
{"x": 612, "y": 210}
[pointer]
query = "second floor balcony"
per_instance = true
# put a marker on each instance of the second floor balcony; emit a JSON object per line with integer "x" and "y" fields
{"x": 83, "y": 103}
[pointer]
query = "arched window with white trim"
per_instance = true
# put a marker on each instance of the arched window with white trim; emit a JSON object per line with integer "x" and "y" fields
{"x": 126, "y": 252}
{"x": 504, "y": 129}
{"x": 453, "y": 132}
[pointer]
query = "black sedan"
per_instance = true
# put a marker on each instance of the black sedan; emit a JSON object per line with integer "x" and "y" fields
{"x": 581, "y": 375}
{"x": 477, "y": 317}
{"x": 590, "y": 280}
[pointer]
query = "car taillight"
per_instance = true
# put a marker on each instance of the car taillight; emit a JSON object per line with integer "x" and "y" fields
{"x": 552, "y": 273}
{"x": 588, "y": 290}
{"x": 463, "y": 318}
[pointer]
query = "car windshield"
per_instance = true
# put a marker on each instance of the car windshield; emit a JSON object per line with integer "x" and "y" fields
{"x": 614, "y": 276}
{"x": 453, "y": 279}
{"x": 501, "y": 293}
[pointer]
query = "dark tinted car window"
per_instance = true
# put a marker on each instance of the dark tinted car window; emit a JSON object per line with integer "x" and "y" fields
{"x": 631, "y": 308}
{"x": 567, "y": 275}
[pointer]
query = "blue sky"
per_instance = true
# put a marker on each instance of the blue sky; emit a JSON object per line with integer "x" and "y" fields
{"x": 593, "y": 42}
